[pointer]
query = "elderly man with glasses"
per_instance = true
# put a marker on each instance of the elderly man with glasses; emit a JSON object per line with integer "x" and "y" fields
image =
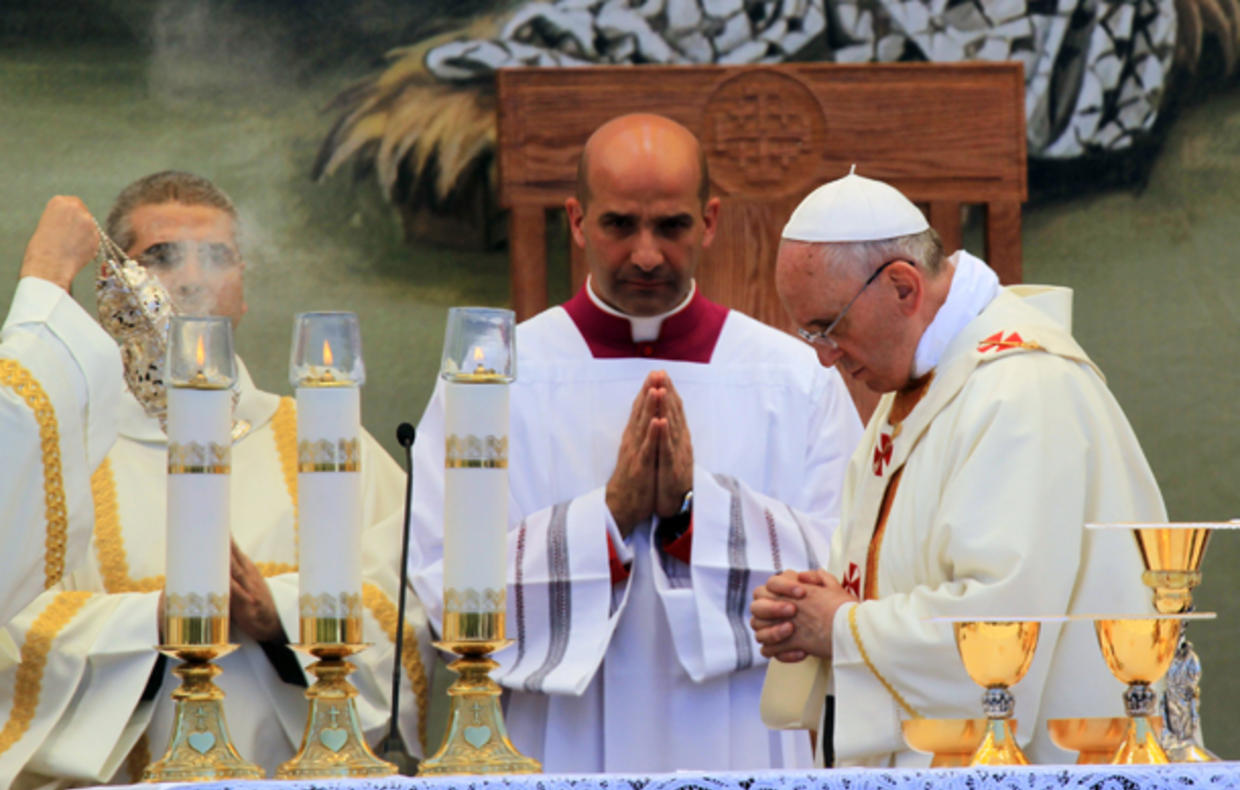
{"x": 995, "y": 441}
{"x": 94, "y": 705}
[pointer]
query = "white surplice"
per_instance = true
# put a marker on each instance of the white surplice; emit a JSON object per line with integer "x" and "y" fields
{"x": 661, "y": 671}
{"x": 1015, "y": 445}
{"x": 84, "y": 721}
{"x": 60, "y": 383}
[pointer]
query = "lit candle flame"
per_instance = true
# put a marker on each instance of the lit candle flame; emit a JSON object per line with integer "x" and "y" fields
{"x": 201, "y": 353}
{"x": 478, "y": 355}
{"x": 327, "y": 353}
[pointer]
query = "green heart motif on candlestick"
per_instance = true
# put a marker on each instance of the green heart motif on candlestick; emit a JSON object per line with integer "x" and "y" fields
{"x": 333, "y": 738}
{"x": 477, "y": 737}
{"x": 201, "y": 742}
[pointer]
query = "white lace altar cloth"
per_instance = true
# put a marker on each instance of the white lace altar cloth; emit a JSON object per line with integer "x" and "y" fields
{"x": 1209, "y": 776}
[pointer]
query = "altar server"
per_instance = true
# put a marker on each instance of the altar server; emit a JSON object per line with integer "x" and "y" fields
{"x": 666, "y": 455}
{"x": 995, "y": 442}
{"x": 60, "y": 383}
{"x": 85, "y": 695}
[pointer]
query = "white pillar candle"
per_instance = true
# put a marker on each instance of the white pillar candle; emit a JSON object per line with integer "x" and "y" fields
{"x": 475, "y": 495}
{"x": 329, "y": 501}
{"x": 199, "y": 452}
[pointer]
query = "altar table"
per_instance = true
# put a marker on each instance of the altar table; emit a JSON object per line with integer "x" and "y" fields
{"x": 1210, "y": 776}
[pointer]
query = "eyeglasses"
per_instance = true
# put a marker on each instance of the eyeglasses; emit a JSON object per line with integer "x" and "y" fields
{"x": 168, "y": 255}
{"x": 823, "y": 336}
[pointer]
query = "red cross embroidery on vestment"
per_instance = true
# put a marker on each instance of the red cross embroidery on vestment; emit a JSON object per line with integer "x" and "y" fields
{"x": 997, "y": 342}
{"x": 882, "y": 454}
{"x": 852, "y": 579}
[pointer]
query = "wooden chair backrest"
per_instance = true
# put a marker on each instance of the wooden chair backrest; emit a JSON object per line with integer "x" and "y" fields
{"x": 947, "y": 135}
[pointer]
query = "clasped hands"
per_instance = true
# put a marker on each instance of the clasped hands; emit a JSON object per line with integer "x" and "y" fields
{"x": 654, "y": 468}
{"x": 793, "y": 614}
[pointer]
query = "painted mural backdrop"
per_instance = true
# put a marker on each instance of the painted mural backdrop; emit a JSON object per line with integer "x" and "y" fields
{"x": 1098, "y": 72}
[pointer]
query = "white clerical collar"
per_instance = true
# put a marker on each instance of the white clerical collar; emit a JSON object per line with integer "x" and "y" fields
{"x": 974, "y": 285}
{"x": 645, "y": 328}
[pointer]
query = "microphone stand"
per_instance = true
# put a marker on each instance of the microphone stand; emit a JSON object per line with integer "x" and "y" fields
{"x": 392, "y": 747}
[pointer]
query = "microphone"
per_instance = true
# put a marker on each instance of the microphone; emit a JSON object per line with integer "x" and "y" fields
{"x": 392, "y": 747}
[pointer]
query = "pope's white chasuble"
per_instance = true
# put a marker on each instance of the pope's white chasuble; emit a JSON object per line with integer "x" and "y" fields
{"x": 81, "y": 655}
{"x": 654, "y": 668}
{"x": 968, "y": 496}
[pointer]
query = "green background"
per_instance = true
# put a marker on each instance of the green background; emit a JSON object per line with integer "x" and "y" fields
{"x": 93, "y": 95}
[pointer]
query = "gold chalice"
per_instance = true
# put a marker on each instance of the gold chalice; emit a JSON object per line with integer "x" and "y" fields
{"x": 1138, "y": 651}
{"x": 997, "y": 654}
{"x": 1172, "y": 554}
{"x": 1094, "y": 739}
{"x": 952, "y": 741}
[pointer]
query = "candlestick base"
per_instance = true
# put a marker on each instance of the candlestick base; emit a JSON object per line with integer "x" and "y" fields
{"x": 199, "y": 748}
{"x": 333, "y": 746}
{"x": 476, "y": 741}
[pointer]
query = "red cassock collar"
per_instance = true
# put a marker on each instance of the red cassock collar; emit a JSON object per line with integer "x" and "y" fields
{"x": 687, "y": 336}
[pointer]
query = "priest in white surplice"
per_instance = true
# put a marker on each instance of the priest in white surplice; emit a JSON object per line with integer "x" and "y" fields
{"x": 60, "y": 382}
{"x": 666, "y": 455}
{"x": 87, "y": 699}
{"x": 995, "y": 443}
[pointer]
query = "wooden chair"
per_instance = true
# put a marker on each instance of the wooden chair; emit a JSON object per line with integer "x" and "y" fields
{"x": 947, "y": 135}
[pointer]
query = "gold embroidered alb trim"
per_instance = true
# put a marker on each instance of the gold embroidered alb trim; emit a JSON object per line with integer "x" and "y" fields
{"x": 384, "y": 612}
{"x": 865, "y": 656}
{"x": 14, "y": 376}
{"x": 109, "y": 543}
{"x": 28, "y": 680}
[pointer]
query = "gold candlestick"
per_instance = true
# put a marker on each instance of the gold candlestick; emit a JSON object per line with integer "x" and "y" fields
{"x": 332, "y": 745}
{"x": 200, "y": 748}
{"x": 476, "y": 741}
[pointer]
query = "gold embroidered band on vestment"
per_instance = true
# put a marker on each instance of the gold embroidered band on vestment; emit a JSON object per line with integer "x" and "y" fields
{"x": 865, "y": 656}
{"x": 475, "y": 452}
{"x": 28, "y": 680}
{"x": 325, "y": 455}
{"x": 199, "y": 458}
{"x": 14, "y": 376}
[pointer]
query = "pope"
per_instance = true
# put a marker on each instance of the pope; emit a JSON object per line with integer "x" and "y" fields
{"x": 995, "y": 442}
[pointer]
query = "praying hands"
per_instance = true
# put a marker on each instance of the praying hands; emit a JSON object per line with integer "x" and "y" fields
{"x": 793, "y": 614}
{"x": 654, "y": 469}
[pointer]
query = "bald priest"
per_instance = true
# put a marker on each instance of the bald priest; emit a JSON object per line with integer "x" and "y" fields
{"x": 995, "y": 442}
{"x": 666, "y": 455}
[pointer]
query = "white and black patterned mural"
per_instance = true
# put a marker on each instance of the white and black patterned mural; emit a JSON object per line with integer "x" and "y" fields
{"x": 1098, "y": 72}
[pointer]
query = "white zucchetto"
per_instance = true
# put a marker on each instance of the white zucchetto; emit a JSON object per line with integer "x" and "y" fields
{"x": 854, "y": 208}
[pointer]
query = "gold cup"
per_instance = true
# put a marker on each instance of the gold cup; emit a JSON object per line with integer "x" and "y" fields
{"x": 1138, "y": 652}
{"x": 1094, "y": 739}
{"x": 952, "y": 742}
{"x": 997, "y": 654}
{"x": 1172, "y": 558}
